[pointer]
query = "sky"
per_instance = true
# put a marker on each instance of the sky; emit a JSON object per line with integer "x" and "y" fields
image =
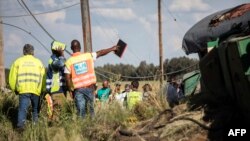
{"x": 133, "y": 21}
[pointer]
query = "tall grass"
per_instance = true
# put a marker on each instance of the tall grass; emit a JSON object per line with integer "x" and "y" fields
{"x": 8, "y": 115}
{"x": 70, "y": 127}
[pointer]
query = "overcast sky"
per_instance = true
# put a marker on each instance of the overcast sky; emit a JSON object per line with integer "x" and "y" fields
{"x": 134, "y": 21}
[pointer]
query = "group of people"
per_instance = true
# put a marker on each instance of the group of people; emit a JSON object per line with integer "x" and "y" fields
{"x": 75, "y": 75}
{"x": 128, "y": 98}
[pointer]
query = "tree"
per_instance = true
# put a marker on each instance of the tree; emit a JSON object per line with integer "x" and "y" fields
{"x": 127, "y": 72}
{"x": 180, "y": 65}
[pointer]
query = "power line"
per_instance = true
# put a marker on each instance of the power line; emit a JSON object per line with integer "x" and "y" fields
{"x": 44, "y": 28}
{"x": 147, "y": 39}
{"x": 37, "y": 21}
{"x": 139, "y": 77}
{"x": 152, "y": 76}
{"x": 41, "y": 13}
{"x": 110, "y": 25}
{"x": 104, "y": 20}
{"x": 104, "y": 32}
{"x": 181, "y": 70}
{"x": 20, "y": 4}
{"x": 34, "y": 37}
{"x": 100, "y": 74}
{"x": 40, "y": 24}
{"x": 171, "y": 14}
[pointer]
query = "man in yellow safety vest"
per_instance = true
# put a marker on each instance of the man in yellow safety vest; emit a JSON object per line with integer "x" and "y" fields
{"x": 26, "y": 78}
{"x": 134, "y": 96}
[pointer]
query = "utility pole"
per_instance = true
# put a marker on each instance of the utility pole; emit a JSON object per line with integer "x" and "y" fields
{"x": 86, "y": 26}
{"x": 2, "y": 69}
{"x": 160, "y": 44}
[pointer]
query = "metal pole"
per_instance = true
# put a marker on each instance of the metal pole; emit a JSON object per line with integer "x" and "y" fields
{"x": 2, "y": 69}
{"x": 86, "y": 26}
{"x": 160, "y": 44}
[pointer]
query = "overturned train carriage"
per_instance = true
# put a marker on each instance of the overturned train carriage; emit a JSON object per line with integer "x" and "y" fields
{"x": 225, "y": 72}
{"x": 225, "y": 69}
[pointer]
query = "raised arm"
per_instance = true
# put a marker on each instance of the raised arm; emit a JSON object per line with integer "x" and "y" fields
{"x": 59, "y": 62}
{"x": 106, "y": 51}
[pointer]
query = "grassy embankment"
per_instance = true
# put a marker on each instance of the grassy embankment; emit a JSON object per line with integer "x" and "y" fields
{"x": 70, "y": 127}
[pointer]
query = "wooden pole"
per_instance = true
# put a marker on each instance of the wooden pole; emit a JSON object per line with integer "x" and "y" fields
{"x": 2, "y": 69}
{"x": 160, "y": 44}
{"x": 86, "y": 26}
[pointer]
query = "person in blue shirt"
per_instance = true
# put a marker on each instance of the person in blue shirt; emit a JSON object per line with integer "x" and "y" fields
{"x": 172, "y": 94}
{"x": 55, "y": 82}
{"x": 104, "y": 93}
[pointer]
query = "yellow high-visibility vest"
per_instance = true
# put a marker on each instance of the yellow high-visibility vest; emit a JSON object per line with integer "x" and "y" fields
{"x": 27, "y": 75}
{"x": 55, "y": 82}
{"x": 133, "y": 98}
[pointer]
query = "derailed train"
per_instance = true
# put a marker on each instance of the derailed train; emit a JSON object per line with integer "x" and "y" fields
{"x": 222, "y": 41}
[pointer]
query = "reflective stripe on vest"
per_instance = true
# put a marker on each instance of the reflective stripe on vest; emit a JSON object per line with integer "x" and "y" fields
{"x": 28, "y": 74}
{"x": 28, "y": 80}
{"x": 29, "y": 77}
{"x": 55, "y": 79}
{"x": 80, "y": 78}
{"x": 82, "y": 70}
{"x": 61, "y": 79}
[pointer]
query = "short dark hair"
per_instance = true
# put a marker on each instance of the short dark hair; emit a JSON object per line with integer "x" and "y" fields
{"x": 28, "y": 49}
{"x": 127, "y": 86}
{"x": 75, "y": 43}
{"x": 135, "y": 84}
{"x": 147, "y": 85}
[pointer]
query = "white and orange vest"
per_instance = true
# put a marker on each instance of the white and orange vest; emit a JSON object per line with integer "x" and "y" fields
{"x": 81, "y": 67}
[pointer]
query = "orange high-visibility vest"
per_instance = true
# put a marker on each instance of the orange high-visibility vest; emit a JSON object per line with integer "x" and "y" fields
{"x": 81, "y": 67}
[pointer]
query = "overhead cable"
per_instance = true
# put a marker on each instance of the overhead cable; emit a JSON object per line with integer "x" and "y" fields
{"x": 174, "y": 18}
{"x": 40, "y": 24}
{"x": 34, "y": 37}
{"x": 41, "y": 13}
{"x": 152, "y": 76}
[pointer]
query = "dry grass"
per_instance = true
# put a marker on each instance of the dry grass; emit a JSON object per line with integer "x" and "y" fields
{"x": 104, "y": 126}
{"x": 69, "y": 127}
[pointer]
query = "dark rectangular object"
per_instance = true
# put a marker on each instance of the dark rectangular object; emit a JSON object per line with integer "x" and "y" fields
{"x": 238, "y": 59}
{"x": 226, "y": 73}
{"x": 122, "y": 46}
{"x": 212, "y": 74}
